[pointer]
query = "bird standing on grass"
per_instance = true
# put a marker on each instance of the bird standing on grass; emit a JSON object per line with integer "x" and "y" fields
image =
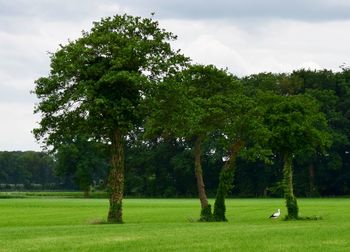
{"x": 275, "y": 215}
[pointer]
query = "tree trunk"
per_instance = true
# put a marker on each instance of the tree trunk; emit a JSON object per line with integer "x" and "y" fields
{"x": 87, "y": 192}
{"x": 312, "y": 188}
{"x": 291, "y": 201}
{"x": 116, "y": 179}
{"x": 226, "y": 181}
{"x": 206, "y": 214}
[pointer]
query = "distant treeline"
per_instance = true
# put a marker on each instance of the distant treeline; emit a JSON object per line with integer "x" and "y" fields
{"x": 27, "y": 170}
{"x": 163, "y": 167}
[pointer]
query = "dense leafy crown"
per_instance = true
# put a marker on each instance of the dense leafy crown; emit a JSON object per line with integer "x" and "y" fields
{"x": 296, "y": 123}
{"x": 98, "y": 82}
{"x": 193, "y": 102}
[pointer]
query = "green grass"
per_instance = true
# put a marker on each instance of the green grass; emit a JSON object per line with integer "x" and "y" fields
{"x": 63, "y": 224}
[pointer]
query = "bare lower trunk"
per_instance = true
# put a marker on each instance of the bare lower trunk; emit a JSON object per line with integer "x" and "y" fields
{"x": 87, "y": 192}
{"x": 226, "y": 182}
{"x": 312, "y": 188}
{"x": 199, "y": 174}
{"x": 205, "y": 207}
{"x": 291, "y": 201}
{"x": 116, "y": 179}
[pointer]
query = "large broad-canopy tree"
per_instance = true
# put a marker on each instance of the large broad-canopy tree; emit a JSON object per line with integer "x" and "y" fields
{"x": 98, "y": 85}
{"x": 296, "y": 126}
{"x": 191, "y": 106}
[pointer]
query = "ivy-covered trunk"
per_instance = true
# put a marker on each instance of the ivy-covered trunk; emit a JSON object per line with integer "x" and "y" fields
{"x": 291, "y": 201}
{"x": 206, "y": 214}
{"x": 226, "y": 182}
{"x": 116, "y": 179}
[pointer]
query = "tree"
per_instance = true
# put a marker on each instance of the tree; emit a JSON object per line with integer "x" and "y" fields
{"x": 331, "y": 92}
{"x": 98, "y": 85}
{"x": 243, "y": 131}
{"x": 296, "y": 125}
{"x": 190, "y": 106}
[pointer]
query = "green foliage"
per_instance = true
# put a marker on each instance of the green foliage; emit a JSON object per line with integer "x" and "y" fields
{"x": 191, "y": 103}
{"x": 85, "y": 160}
{"x": 296, "y": 123}
{"x": 97, "y": 82}
{"x": 29, "y": 169}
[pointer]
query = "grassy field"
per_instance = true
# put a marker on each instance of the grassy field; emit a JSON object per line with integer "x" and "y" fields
{"x": 66, "y": 224}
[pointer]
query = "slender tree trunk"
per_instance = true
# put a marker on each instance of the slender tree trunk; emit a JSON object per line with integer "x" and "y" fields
{"x": 116, "y": 179}
{"x": 206, "y": 214}
{"x": 312, "y": 187}
{"x": 87, "y": 192}
{"x": 291, "y": 201}
{"x": 226, "y": 181}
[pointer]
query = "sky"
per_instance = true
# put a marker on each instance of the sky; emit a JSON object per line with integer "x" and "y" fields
{"x": 247, "y": 36}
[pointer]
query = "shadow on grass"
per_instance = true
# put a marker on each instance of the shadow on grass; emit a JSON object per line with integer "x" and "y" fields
{"x": 98, "y": 222}
{"x": 303, "y": 218}
{"x": 103, "y": 222}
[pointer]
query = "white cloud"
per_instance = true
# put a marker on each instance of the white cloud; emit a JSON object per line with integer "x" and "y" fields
{"x": 17, "y": 121}
{"x": 306, "y": 10}
{"x": 274, "y": 46}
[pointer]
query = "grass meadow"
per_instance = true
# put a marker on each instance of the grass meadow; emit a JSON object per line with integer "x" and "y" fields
{"x": 71, "y": 224}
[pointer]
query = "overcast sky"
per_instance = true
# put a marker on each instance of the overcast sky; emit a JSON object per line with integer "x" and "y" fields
{"x": 247, "y": 36}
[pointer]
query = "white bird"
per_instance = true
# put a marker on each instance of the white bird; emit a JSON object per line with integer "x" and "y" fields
{"x": 276, "y": 215}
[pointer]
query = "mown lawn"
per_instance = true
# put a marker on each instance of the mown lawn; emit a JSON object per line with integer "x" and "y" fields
{"x": 62, "y": 224}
